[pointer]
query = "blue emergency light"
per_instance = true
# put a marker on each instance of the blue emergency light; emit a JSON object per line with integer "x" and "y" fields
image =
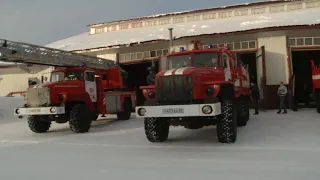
{"x": 84, "y": 65}
{"x": 181, "y": 48}
{"x": 210, "y": 46}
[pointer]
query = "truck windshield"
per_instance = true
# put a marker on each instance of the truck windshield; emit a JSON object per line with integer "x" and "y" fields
{"x": 67, "y": 76}
{"x": 178, "y": 61}
{"x": 206, "y": 59}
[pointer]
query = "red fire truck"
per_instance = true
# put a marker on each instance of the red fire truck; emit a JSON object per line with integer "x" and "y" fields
{"x": 198, "y": 88}
{"x": 316, "y": 84}
{"x": 81, "y": 87}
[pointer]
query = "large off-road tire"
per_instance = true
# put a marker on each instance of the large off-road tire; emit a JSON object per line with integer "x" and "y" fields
{"x": 227, "y": 122}
{"x": 126, "y": 113}
{"x": 94, "y": 116}
{"x": 156, "y": 129}
{"x": 80, "y": 118}
{"x": 39, "y": 124}
{"x": 317, "y": 101}
{"x": 243, "y": 112}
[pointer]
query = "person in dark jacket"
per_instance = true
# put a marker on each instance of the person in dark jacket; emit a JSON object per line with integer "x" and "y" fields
{"x": 255, "y": 94}
{"x": 152, "y": 75}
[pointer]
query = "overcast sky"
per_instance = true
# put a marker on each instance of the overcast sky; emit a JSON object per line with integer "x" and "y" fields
{"x": 45, "y": 21}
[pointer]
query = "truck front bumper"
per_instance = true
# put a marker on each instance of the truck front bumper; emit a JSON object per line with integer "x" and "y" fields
{"x": 39, "y": 111}
{"x": 179, "y": 110}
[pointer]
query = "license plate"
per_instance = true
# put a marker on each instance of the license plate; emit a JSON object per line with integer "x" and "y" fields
{"x": 173, "y": 111}
{"x": 34, "y": 110}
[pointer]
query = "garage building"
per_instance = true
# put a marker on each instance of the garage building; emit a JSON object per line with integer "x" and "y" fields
{"x": 276, "y": 39}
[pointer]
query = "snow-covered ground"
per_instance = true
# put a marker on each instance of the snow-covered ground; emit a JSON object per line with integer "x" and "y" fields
{"x": 270, "y": 147}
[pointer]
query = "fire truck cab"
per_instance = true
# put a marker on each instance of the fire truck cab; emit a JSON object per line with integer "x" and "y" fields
{"x": 200, "y": 87}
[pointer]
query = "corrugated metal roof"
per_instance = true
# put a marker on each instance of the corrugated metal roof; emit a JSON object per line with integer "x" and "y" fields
{"x": 259, "y": 3}
{"x": 214, "y": 26}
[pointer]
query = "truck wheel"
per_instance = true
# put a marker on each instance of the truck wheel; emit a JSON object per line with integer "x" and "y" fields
{"x": 227, "y": 123}
{"x": 126, "y": 113}
{"x": 95, "y": 116}
{"x": 244, "y": 113}
{"x": 39, "y": 124}
{"x": 80, "y": 118}
{"x": 317, "y": 101}
{"x": 156, "y": 129}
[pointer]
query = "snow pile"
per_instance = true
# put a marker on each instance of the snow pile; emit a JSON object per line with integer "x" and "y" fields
{"x": 7, "y": 105}
{"x": 227, "y": 25}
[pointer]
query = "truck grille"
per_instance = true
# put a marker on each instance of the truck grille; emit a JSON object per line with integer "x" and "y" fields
{"x": 174, "y": 89}
{"x": 36, "y": 97}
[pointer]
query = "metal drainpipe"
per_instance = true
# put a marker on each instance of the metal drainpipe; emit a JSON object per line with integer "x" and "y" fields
{"x": 171, "y": 38}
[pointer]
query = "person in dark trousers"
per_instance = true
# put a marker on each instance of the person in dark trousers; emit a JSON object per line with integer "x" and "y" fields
{"x": 152, "y": 75}
{"x": 282, "y": 92}
{"x": 255, "y": 95}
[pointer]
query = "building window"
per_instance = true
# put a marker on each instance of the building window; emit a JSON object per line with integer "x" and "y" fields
{"x": 113, "y": 28}
{"x": 99, "y": 30}
{"x": 136, "y": 25}
{"x": 260, "y": 10}
{"x": 121, "y": 57}
{"x": 316, "y": 41}
{"x": 209, "y": 16}
{"x": 178, "y": 20}
{"x": 164, "y": 21}
{"x": 308, "y": 41}
{"x": 237, "y": 45}
{"x": 139, "y": 55}
{"x": 300, "y": 41}
{"x": 193, "y": 18}
{"x": 133, "y": 56}
{"x": 275, "y": 9}
{"x": 312, "y": 4}
{"x": 146, "y": 54}
{"x": 241, "y": 12}
{"x": 230, "y": 46}
{"x": 225, "y": 14}
{"x": 252, "y": 44}
{"x": 295, "y": 6}
{"x": 244, "y": 45}
{"x": 124, "y": 26}
{"x": 291, "y": 42}
{"x": 165, "y": 52}
{"x": 150, "y": 23}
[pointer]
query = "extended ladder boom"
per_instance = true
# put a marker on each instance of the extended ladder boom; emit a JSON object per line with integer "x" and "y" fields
{"x": 19, "y": 52}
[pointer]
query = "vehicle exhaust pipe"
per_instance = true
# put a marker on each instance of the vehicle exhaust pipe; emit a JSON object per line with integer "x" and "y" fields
{"x": 171, "y": 38}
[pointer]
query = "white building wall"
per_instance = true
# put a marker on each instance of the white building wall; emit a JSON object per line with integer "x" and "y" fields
{"x": 16, "y": 79}
{"x": 276, "y": 59}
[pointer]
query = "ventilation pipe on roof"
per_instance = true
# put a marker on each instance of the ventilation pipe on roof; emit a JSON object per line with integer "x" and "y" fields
{"x": 171, "y": 38}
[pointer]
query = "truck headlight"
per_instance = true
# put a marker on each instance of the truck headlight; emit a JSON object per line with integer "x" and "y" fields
{"x": 207, "y": 109}
{"x": 142, "y": 111}
{"x": 17, "y": 111}
{"x": 151, "y": 94}
{"x": 210, "y": 91}
{"x": 52, "y": 110}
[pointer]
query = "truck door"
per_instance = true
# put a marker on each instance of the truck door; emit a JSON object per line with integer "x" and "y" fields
{"x": 226, "y": 65}
{"x": 91, "y": 85}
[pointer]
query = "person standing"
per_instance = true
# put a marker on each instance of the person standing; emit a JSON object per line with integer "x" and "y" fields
{"x": 255, "y": 95}
{"x": 282, "y": 92}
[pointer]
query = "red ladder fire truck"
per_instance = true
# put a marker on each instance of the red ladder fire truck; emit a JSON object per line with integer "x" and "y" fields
{"x": 197, "y": 88}
{"x": 81, "y": 87}
{"x": 316, "y": 84}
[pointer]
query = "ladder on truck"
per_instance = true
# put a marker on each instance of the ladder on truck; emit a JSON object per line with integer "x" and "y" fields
{"x": 19, "y": 52}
